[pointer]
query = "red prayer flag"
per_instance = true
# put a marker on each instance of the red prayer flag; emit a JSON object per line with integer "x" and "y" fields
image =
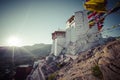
{"x": 92, "y": 14}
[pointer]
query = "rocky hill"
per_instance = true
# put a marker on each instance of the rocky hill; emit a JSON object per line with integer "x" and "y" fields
{"x": 100, "y": 63}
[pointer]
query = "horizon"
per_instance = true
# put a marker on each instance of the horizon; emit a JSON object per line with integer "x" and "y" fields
{"x": 25, "y": 45}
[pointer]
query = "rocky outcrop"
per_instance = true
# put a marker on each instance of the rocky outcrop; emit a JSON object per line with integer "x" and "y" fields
{"x": 110, "y": 61}
{"x": 100, "y": 63}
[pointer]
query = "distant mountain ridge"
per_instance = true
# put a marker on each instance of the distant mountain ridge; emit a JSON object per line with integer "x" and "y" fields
{"x": 39, "y": 49}
{"x": 24, "y": 54}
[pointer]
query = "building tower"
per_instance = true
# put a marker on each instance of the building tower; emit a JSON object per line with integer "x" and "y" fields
{"x": 79, "y": 36}
{"x": 58, "y": 45}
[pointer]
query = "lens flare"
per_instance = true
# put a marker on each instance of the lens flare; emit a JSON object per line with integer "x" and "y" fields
{"x": 14, "y": 41}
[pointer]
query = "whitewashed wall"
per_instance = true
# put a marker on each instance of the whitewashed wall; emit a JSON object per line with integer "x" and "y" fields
{"x": 70, "y": 32}
{"x": 58, "y": 45}
{"x": 80, "y": 35}
{"x": 53, "y": 47}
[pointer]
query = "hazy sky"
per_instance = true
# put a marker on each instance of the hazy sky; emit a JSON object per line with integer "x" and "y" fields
{"x": 33, "y": 21}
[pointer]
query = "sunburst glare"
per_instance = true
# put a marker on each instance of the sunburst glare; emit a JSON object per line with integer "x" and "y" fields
{"x": 14, "y": 41}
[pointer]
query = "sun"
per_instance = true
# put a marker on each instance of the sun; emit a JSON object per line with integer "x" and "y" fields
{"x": 14, "y": 41}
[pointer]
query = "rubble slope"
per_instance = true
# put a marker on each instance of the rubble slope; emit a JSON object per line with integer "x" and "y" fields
{"x": 100, "y": 63}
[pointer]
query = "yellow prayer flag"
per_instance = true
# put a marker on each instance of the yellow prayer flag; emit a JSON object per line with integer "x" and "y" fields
{"x": 97, "y": 1}
{"x": 98, "y": 7}
{"x": 92, "y": 23}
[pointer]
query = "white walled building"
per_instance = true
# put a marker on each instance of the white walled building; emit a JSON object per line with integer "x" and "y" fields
{"x": 78, "y": 35}
{"x": 58, "y": 38}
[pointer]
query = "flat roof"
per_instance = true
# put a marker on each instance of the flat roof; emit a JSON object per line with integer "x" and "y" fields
{"x": 59, "y": 31}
